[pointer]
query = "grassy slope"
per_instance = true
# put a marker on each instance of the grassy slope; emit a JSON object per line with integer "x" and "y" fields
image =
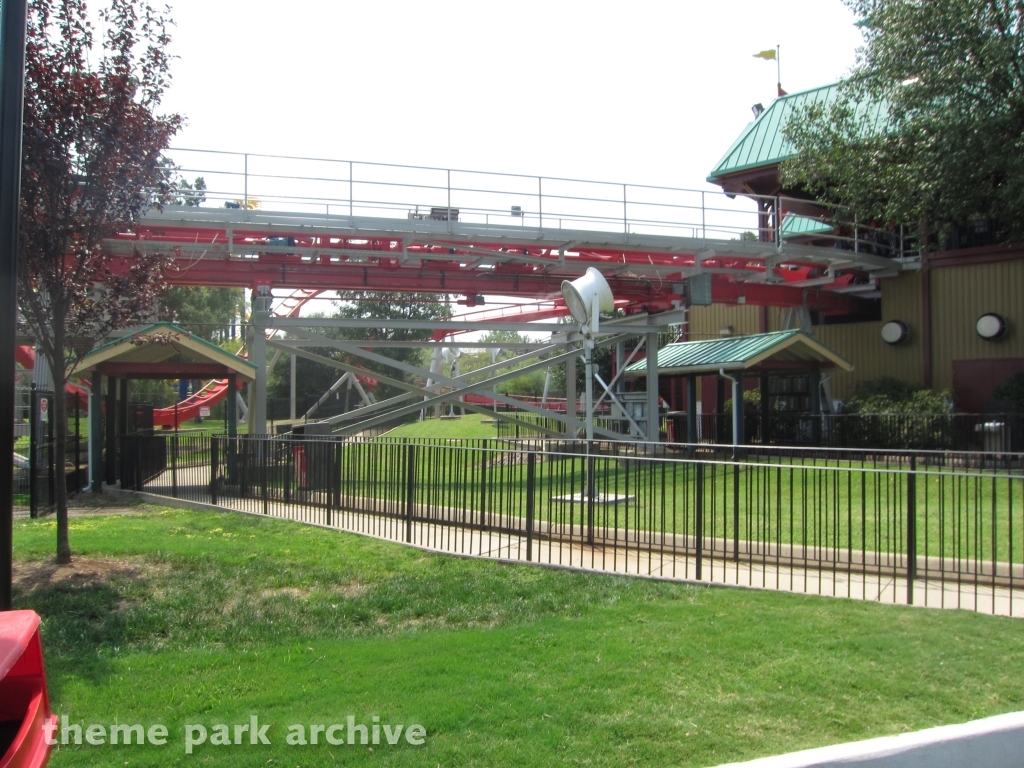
{"x": 229, "y": 616}
{"x": 469, "y": 426}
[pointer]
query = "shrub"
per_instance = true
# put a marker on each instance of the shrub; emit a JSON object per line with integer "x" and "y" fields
{"x": 889, "y": 395}
{"x": 1012, "y": 389}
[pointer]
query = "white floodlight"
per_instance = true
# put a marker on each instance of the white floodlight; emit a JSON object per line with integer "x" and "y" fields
{"x": 587, "y": 297}
{"x": 580, "y": 295}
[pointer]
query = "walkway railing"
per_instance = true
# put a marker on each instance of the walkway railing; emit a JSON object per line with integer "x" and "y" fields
{"x": 902, "y": 531}
{"x": 337, "y": 189}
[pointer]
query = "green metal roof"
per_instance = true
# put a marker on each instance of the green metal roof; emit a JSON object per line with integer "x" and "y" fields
{"x": 739, "y": 353}
{"x": 194, "y": 344}
{"x": 804, "y": 226}
{"x": 762, "y": 142}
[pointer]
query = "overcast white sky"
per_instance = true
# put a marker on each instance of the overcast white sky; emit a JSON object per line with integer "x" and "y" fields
{"x": 640, "y": 92}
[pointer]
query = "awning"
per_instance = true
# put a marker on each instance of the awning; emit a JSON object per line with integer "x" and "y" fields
{"x": 165, "y": 351}
{"x": 759, "y": 353}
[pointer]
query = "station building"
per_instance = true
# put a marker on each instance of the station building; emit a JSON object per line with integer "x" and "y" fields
{"x": 956, "y": 322}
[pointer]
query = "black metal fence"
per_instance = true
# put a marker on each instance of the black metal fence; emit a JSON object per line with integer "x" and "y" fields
{"x": 896, "y": 528}
{"x": 992, "y": 433}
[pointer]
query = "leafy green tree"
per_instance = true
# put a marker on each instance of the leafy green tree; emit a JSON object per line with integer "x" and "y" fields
{"x": 93, "y": 139}
{"x": 928, "y": 130}
{"x": 206, "y": 312}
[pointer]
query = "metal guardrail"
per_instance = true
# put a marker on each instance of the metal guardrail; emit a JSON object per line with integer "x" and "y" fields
{"x": 339, "y": 189}
{"x": 901, "y": 532}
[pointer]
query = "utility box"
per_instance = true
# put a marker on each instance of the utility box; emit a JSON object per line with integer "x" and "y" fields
{"x": 25, "y": 717}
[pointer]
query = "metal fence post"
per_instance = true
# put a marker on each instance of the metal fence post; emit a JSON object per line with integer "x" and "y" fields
{"x": 33, "y": 447}
{"x": 736, "y": 512}
{"x": 531, "y": 486}
{"x": 699, "y": 519}
{"x": 174, "y": 465}
{"x": 262, "y": 447}
{"x": 214, "y": 446}
{"x": 410, "y": 489}
{"x": 911, "y": 529}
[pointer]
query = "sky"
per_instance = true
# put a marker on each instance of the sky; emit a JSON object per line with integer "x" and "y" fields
{"x": 641, "y": 92}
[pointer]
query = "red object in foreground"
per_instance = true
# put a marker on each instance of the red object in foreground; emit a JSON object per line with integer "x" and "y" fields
{"x": 24, "y": 703}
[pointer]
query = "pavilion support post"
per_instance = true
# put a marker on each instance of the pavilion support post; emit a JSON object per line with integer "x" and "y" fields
{"x": 765, "y": 410}
{"x": 231, "y": 448}
{"x": 691, "y": 410}
{"x": 110, "y": 462}
{"x": 653, "y": 411}
{"x": 719, "y": 409}
{"x": 814, "y": 384}
{"x": 122, "y": 421}
{"x": 96, "y": 434}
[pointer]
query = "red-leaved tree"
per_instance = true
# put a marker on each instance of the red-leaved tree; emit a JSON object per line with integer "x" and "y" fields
{"x": 92, "y": 144}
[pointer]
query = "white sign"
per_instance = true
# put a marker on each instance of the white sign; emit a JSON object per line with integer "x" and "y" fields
{"x": 44, "y": 409}
{"x": 204, "y": 411}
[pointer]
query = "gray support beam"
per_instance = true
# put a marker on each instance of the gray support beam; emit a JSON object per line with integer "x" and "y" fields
{"x": 291, "y": 394}
{"x": 96, "y": 433}
{"x": 570, "y": 384}
{"x": 653, "y": 412}
{"x": 258, "y": 357}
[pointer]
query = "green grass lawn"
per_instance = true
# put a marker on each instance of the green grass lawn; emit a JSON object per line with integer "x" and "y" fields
{"x": 470, "y": 426}
{"x": 205, "y": 618}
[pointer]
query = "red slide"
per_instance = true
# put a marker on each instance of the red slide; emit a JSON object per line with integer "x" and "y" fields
{"x": 26, "y": 358}
{"x": 188, "y": 408}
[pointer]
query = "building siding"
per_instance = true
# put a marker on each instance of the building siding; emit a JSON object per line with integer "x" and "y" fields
{"x": 960, "y": 295}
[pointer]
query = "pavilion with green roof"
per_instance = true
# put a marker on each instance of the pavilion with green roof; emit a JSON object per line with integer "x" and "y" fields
{"x": 158, "y": 351}
{"x": 780, "y": 354}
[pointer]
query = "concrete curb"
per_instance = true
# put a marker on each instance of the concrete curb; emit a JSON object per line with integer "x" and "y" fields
{"x": 994, "y": 742}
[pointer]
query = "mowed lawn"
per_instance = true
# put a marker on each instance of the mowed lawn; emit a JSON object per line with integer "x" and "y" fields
{"x": 184, "y": 618}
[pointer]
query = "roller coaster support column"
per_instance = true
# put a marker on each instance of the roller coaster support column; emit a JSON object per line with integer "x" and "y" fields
{"x": 258, "y": 357}
{"x": 570, "y": 385}
{"x": 653, "y": 411}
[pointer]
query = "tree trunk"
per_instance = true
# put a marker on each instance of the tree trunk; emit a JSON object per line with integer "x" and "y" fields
{"x": 60, "y": 483}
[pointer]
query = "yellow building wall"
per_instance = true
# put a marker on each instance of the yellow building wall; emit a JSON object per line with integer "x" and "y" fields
{"x": 862, "y": 345}
{"x": 960, "y": 295}
{"x": 707, "y": 322}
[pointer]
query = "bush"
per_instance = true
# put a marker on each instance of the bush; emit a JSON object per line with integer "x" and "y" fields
{"x": 1012, "y": 389}
{"x": 889, "y": 395}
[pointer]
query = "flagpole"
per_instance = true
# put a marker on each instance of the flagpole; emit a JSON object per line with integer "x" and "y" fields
{"x": 778, "y": 67}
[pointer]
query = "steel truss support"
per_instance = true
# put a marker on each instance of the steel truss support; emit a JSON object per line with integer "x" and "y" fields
{"x": 431, "y": 399}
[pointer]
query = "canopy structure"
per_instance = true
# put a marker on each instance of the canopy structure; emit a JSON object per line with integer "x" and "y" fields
{"x": 158, "y": 351}
{"x": 165, "y": 351}
{"x": 759, "y": 353}
{"x": 758, "y": 356}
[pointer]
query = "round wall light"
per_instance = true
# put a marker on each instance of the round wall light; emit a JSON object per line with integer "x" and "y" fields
{"x": 990, "y": 326}
{"x": 895, "y": 332}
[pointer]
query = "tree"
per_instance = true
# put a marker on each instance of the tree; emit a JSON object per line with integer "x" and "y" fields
{"x": 91, "y": 165}
{"x": 929, "y": 127}
{"x": 206, "y": 312}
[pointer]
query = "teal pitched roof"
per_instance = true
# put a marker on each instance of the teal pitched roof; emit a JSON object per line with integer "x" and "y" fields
{"x": 740, "y": 353}
{"x": 804, "y": 226}
{"x": 762, "y": 142}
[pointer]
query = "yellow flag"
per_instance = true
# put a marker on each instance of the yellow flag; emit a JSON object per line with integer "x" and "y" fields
{"x": 768, "y": 55}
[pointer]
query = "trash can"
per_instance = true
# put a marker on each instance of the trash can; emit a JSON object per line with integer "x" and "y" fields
{"x": 25, "y": 717}
{"x": 995, "y": 436}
